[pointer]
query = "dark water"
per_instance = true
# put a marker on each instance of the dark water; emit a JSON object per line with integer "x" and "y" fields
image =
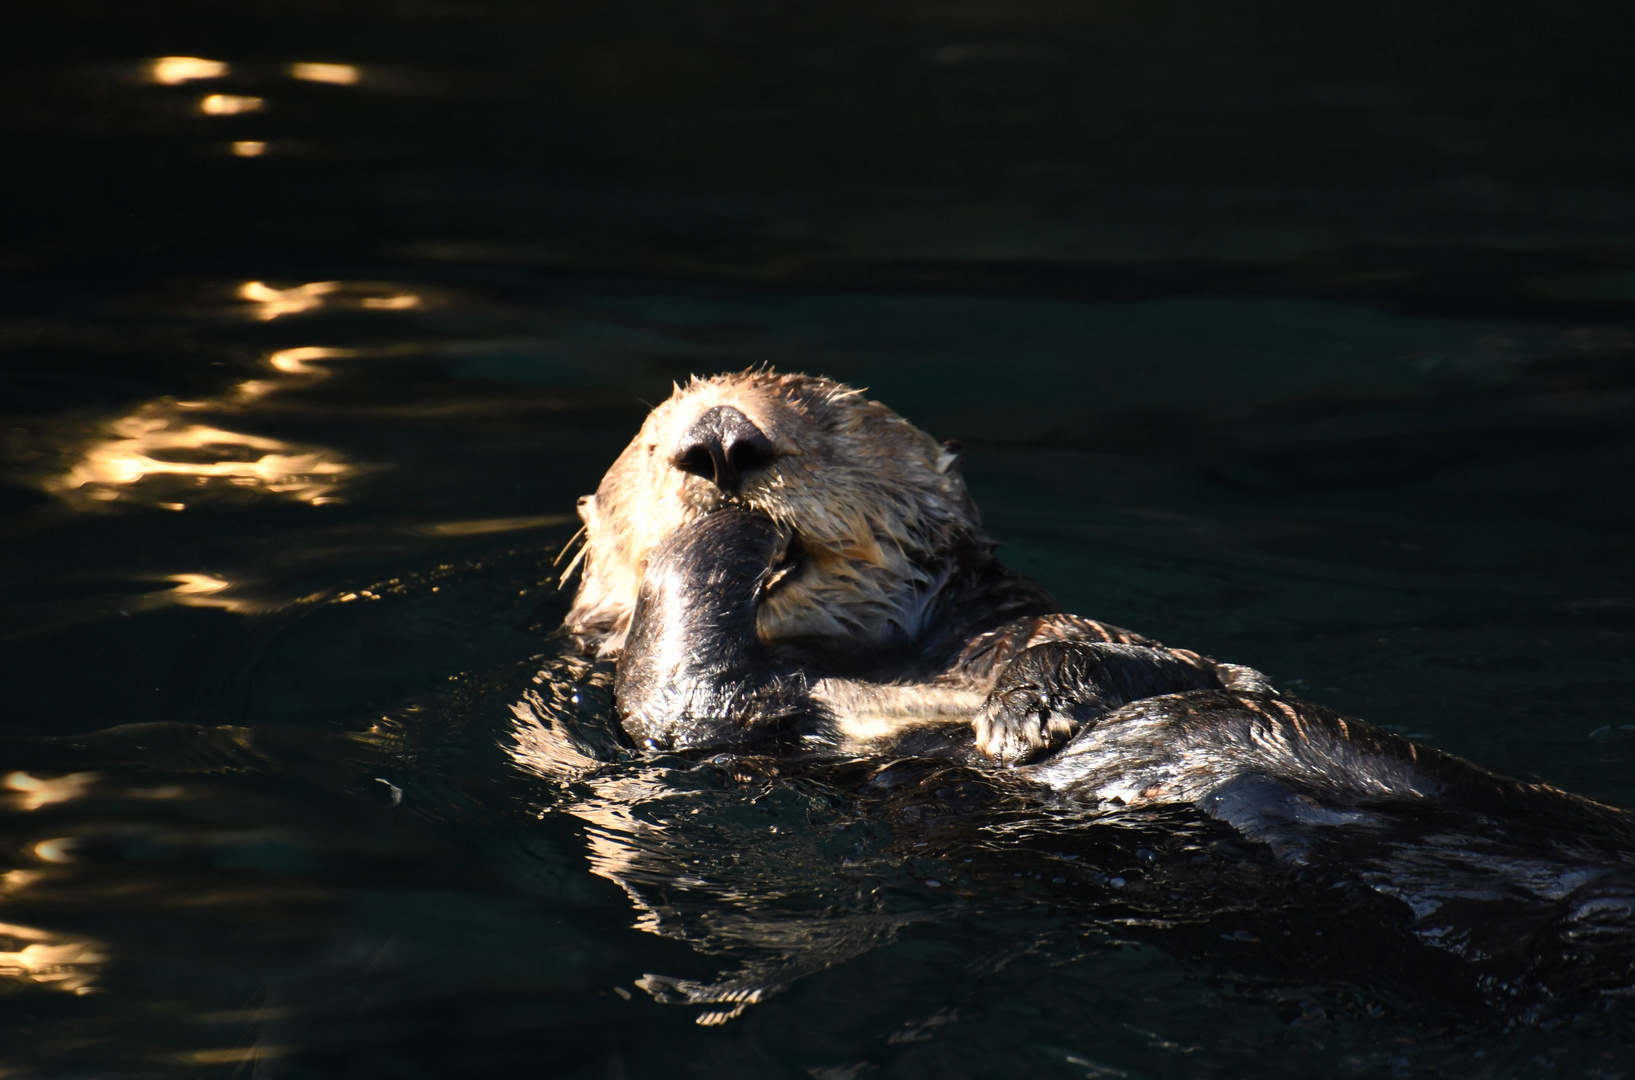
{"x": 1300, "y": 335}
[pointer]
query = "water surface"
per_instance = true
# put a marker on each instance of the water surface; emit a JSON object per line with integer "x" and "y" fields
{"x": 1306, "y": 339}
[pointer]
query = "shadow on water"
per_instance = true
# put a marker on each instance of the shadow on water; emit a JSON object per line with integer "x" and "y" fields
{"x": 1298, "y": 335}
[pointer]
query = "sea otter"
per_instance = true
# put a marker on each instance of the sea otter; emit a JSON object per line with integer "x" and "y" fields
{"x": 777, "y": 561}
{"x": 777, "y": 557}
{"x": 779, "y": 566}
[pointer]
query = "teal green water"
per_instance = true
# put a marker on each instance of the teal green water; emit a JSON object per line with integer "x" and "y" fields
{"x": 1304, "y": 339}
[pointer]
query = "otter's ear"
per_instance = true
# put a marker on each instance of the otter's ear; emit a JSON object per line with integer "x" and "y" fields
{"x": 587, "y": 508}
{"x": 952, "y": 454}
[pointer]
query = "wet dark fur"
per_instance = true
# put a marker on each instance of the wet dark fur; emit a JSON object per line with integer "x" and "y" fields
{"x": 1531, "y": 888}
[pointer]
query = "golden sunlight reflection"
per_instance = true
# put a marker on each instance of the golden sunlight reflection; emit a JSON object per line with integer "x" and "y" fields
{"x": 399, "y": 302}
{"x": 13, "y": 882}
{"x": 206, "y": 591}
{"x": 34, "y": 792}
{"x": 157, "y": 441}
{"x": 251, "y": 389}
{"x": 54, "y": 961}
{"x": 272, "y": 302}
{"x": 300, "y": 361}
{"x": 175, "y": 70}
{"x": 229, "y": 104}
{"x": 248, "y": 148}
{"x": 334, "y": 74}
{"x": 56, "y": 849}
{"x": 162, "y": 440}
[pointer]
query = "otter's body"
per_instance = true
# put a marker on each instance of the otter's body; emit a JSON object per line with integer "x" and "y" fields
{"x": 780, "y": 565}
{"x": 1087, "y": 709}
{"x": 776, "y": 560}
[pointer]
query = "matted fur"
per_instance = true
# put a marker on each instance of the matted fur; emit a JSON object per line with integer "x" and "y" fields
{"x": 876, "y": 505}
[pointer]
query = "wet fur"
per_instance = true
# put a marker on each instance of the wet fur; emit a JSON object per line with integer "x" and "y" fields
{"x": 849, "y": 581}
{"x": 900, "y": 636}
{"x": 882, "y": 515}
{"x": 898, "y": 609}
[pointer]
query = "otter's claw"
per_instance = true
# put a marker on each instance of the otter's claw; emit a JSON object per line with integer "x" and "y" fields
{"x": 1051, "y": 692}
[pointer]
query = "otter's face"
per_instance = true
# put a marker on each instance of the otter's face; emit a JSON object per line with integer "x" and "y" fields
{"x": 876, "y": 508}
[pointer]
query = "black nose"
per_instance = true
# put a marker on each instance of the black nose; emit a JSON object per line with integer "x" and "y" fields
{"x": 721, "y": 446}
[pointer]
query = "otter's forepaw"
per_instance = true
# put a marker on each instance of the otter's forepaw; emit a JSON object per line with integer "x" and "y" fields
{"x": 1019, "y": 724}
{"x": 1039, "y": 701}
{"x": 1048, "y": 693}
{"x": 1051, "y": 691}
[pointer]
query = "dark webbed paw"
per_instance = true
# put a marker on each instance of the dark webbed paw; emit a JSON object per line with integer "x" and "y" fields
{"x": 1050, "y": 692}
{"x": 693, "y": 672}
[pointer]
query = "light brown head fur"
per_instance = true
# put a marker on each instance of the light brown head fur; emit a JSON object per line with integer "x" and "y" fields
{"x": 877, "y": 507}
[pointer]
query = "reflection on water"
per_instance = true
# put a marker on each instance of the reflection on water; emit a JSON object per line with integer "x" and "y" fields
{"x": 207, "y": 591}
{"x": 301, "y": 361}
{"x": 334, "y": 74}
{"x": 272, "y": 302}
{"x": 56, "y": 849}
{"x": 34, "y": 792}
{"x": 248, "y": 148}
{"x": 159, "y": 441}
{"x": 740, "y": 869}
{"x": 230, "y": 104}
{"x": 53, "y": 961}
{"x": 175, "y": 70}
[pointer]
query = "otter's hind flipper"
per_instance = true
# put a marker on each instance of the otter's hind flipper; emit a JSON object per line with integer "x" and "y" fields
{"x": 1051, "y": 691}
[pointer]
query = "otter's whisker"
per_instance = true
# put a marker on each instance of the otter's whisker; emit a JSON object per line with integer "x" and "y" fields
{"x": 568, "y": 573}
{"x": 577, "y": 559}
{"x": 571, "y": 541}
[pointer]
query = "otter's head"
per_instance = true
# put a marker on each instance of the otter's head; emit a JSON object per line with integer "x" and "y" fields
{"x": 877, "y": 513}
